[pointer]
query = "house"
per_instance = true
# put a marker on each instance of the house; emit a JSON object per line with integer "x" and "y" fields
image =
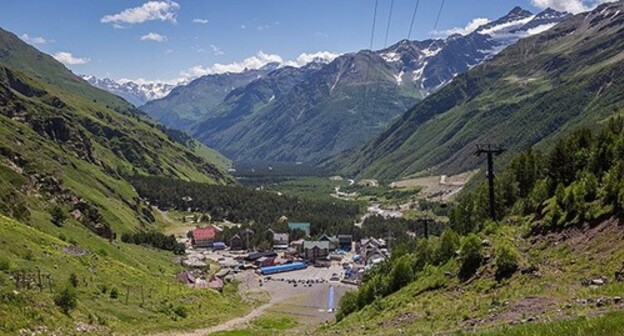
{"x": 236, "y": 243}
{"x": 203, "y": 236}
{"x": 345, "y": 242}
{"x": 280, "y": 241}
{"x": 303, "y": 226}
{"x": 297, "y": 245}
{"x": 255, "y": 256}
{"x": 333, "y": 241}
{"x": 265, "y": 262}
{"x": 313, "y": 250}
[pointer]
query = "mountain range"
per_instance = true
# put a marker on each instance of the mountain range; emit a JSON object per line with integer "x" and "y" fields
{"x": 528, "y": 95}
{"x": 319, "y": 110}
{"x": 135, "y": 93}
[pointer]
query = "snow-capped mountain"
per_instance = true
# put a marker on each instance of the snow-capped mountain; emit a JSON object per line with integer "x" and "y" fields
{"x": 135, "y": 93}
{"x": 432, "y": 63}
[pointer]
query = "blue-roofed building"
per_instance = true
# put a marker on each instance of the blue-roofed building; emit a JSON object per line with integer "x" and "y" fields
{"x": 283, "y": 268}
{"x": 303, "y": 226}
{"x": 219, "y": 245}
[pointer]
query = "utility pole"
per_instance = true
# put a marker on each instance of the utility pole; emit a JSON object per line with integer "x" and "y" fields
{"x": 425, "y": 221}
{"x": 491, "y": 151}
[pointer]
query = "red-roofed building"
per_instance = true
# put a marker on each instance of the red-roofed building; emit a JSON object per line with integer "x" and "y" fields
{"x": 204, "y": 236}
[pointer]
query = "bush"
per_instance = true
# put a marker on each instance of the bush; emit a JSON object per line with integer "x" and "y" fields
{"x": 73, "y": 280}
{"x": 58, "y": 216}
{"x": 449, "y": 243}
{"x": 181, "y": 311}
{"x": 114, "y": 293}
{"x": 5, "y": 264}
{"x": 400, "y": 275}
{"x": 471, "y": 256}
{"x": 506, "y": 261}
{"x": 348, "y": 305}
{"x": 66, "y": 299}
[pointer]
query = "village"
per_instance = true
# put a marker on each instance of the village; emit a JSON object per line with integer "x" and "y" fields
{"x": 309, "y": 274}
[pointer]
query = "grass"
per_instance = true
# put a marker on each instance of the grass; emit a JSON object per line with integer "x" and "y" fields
{"x": 269, "y": 324}
{"x": 155, "y": 300}
{"x": 436, "y": 303}
{"x": 609, "y": 324}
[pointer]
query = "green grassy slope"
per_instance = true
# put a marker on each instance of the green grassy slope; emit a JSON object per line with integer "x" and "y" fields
{"x": 68, "y": 147}
{"x": 529, "y": 94}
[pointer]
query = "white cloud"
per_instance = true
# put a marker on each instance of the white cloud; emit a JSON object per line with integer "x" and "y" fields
{"x": 321, "y": 56}
{"x": 69, "y": 59}
{"x": 118, "y": 26}
{"x": 33, "y": 39}
{"x": 469, "y": 28}
{"x": 243, "y": 27}
{"x": 154, "y": 37}
{"x": 149, "y": 11}
{"x": 572, "y": 6}
{"x": 257, "y": 61}
{"x": 200, "y": 21}
{"x": 263, "y": 27}
{"x": 216, "y": 50}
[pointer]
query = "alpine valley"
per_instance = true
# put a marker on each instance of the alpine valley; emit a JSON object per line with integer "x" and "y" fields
{"x": 324, "y": 108}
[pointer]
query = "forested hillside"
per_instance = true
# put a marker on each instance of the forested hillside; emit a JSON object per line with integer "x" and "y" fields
{"x": 530, "y": 94}
{"x": 559, "y": 245}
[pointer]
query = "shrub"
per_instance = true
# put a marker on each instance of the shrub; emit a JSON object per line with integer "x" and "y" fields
{"x": 449, "y": 243}
{"x": 181, "y": 311}
{"x": 5, "y": 264}
{"x": 66, "y": 299}
{"x": 58, "y": 216}
{"x": 400, "y": 275}
{"x": 73, "y": 280}
{"x": 348, "y": 305}
{"x": 506, "y": 261}
{"x": 471, "y": 256}
{"x": 114, "y": 293}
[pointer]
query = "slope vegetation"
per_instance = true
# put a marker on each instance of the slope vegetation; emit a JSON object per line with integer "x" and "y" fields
{"x": 528, "y": 94}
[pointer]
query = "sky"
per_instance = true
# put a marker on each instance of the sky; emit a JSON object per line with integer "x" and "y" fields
{"x": 166, "y": 40}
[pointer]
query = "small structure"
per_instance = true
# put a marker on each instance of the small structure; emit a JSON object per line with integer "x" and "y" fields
{"x": 297, "y": 245}
{"x": 303, "y": 226}
{"x": 282, "y": 219}
{"x": 323, "y": 262}
{"x": 313, "y": 250}
{"x": 203, "y": 237}
{"x": 255, "y": 256}
{"x": 265, "y": 262}
{"x": 218, "y": 246}
{"x": 236, "y": 243}
{"x": 345, "y": 242}
{"x": 333, "y": 241}
{"x": 280, "y": 241}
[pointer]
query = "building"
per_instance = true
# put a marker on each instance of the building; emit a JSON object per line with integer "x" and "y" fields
{"x": 280, "y": 241}
{"x": 203, "y": 236}
{"x": 313, "y": 250}
{"x": 297, "y": 245}
{"x": 303, "y": 226}
{"x": 333, "y": 241}
{"x": 236, "y": 243}
{"x": 255, "y": 256}
{"x": 265, "y": 262}
{"x": 345, "y": 242}
{"x": 283, "y": 268}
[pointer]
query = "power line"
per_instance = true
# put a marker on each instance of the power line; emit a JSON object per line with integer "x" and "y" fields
{"x": 435, "y": 26}
{"x": 389, "y": 21}
{"x": 364, "y": 101}
{"x": 409, "y": 34}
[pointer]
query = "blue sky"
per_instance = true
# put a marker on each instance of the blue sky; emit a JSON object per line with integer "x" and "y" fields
{"x": 169, "y": 40}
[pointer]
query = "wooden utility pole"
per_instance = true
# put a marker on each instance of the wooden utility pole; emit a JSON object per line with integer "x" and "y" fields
{"x": 425, "y": 221}
{"x": 491, "y": 151}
